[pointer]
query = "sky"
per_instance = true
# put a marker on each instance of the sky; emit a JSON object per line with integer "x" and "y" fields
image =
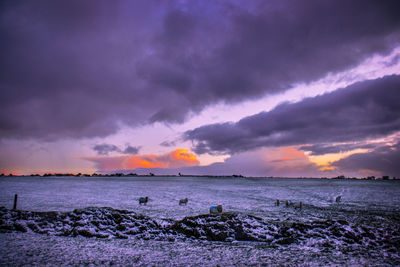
{"x": 258, "y": 88}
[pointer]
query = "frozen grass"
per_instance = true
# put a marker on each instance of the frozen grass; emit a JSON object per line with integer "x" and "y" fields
{"x": 67, "y": 251}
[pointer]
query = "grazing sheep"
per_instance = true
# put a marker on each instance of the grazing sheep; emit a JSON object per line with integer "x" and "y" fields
{"x": 288, "y": 203}
{"x": 143, "y": 200}
{"x": 183, "y": 201}
{"x": 215, "y": 209}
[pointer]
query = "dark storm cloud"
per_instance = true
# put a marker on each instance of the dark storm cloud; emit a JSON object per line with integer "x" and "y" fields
{"x": 83, "y": 68}
{"x": 384, "y": 159}
{"x": 363, "y": 110}
{"x": 105, "y": 149}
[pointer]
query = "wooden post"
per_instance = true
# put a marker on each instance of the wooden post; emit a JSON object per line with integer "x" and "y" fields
{"x": 15, "y": 202}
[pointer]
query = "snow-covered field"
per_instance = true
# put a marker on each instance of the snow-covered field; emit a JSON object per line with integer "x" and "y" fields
{"x": 362, "y": 229}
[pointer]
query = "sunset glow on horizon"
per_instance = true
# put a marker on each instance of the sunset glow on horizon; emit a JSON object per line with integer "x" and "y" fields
{"x": 201, "y": 87}
{"x": 174, "y": 159}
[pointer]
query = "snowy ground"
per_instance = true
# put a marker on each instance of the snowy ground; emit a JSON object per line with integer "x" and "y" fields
{"x": 363, "y": 229}
{"x": 68, "y": 251}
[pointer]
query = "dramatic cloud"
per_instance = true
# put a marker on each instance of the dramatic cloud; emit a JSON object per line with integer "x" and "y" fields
{"x": 382, "y": 161}
{"x": 175, "y": 159}
{"x": 83, "y": 68}
{"x": 364, "y": 110}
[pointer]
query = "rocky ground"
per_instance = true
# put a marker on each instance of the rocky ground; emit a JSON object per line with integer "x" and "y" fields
{"x": 225, "y": 227}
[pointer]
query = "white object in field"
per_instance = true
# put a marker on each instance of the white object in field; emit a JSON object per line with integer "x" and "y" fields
{"x": 215, "y": 209}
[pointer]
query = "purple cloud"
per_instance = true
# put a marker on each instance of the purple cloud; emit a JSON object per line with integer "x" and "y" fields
{"x": 363, "y": 110}
{"x": 132, "y": 150}
{"x": 105, "y": 149}
{"x": 168, "y": 143}
{"x": 80, "y": 69}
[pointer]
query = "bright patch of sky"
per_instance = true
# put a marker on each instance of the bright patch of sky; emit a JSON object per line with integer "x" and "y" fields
{"x": 36, "y": 156}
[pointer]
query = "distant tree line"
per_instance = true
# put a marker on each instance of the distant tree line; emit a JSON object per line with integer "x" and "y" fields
{"x": 119, "y": 174}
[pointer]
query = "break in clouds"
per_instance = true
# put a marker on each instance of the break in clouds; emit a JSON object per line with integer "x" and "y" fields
{"x": 364, "y": 110}
{"x": 83, "y": 68}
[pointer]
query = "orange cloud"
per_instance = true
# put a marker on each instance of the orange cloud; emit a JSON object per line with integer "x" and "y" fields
{"x": 175, "y": 159}
{"x": 143, "y": 161}
{"x": 183, "y": 158}
{"x": 327, "y": 168}
{"x": 286, "y": 161}
{"x": 289, "y": 154}
{"x": 327, "y": 159}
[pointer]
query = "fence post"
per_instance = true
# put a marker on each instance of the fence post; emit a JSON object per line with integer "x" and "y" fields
{"x": 15, "y": 202}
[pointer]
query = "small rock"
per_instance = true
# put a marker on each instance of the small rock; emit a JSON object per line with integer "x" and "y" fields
{"x": 285, "y": 241}
{"x": 85, "y": 232}
{"x": 121, "y": 235}
{"x": 20, "y": 227}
